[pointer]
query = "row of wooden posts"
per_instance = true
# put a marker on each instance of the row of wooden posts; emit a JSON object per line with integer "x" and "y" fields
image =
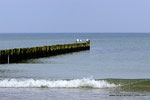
{"x": 20, "y": 54}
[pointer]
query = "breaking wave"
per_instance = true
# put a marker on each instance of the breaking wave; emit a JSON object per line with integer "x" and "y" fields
{"x": 75, "y": 83}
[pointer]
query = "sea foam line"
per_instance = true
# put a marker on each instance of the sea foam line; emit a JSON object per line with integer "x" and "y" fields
{"x": 76, "y": 83}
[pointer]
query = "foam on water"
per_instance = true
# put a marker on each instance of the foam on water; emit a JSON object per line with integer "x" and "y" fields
{"x": 76, "y": 83}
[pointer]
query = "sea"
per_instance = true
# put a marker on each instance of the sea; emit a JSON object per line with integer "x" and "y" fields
{"x": 117, "y": 67}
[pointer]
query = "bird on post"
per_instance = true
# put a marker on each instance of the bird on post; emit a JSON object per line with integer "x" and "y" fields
{"x": 87, "y": 40}
{"x": 80, "y": 41}
{"x": 77, "y": 41}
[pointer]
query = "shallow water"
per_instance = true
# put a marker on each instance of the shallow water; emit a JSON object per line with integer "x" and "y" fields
{"x": 68, "y": 94}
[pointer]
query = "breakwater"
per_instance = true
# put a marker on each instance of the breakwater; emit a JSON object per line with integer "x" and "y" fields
{"x": 17, "y": 55}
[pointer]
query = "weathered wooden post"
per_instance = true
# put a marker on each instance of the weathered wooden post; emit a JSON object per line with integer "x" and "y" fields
{"x": 8, "y": 58}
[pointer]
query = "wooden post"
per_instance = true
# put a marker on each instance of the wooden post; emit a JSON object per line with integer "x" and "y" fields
{"x": 8, "y": 58}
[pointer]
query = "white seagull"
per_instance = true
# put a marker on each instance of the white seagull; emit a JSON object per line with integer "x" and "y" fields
{"x": 77, "y": 41}
{"x": 87, "y": 40}
{"x": 80, "y": 41}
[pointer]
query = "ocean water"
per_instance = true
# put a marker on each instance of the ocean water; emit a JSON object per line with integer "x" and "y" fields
{"x": 116, "y": 68}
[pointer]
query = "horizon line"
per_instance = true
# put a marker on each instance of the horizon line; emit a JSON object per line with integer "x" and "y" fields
{"x": 76, "y": 33}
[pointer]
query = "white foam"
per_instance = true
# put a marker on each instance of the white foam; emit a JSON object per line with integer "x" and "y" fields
{"x": 76, "y": 83}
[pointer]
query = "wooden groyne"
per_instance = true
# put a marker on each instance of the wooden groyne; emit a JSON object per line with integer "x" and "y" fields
{"x": 19, "y": 54}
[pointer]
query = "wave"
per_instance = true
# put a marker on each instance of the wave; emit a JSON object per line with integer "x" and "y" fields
{"x": 75, "y": 83}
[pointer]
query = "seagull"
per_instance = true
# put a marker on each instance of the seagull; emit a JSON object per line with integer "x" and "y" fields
{"x": 77, "y": 41}
{"x": 87, "y": 40}
{"x": 80, "y": 41}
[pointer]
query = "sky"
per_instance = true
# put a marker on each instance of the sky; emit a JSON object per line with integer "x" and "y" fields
{"x": 75, "y": 16}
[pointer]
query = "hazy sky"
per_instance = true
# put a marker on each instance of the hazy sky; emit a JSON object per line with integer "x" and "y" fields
{"x": 26, "y": 16}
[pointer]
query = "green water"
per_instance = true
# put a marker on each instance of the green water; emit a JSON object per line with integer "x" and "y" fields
{"x": 132, "y": 84}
